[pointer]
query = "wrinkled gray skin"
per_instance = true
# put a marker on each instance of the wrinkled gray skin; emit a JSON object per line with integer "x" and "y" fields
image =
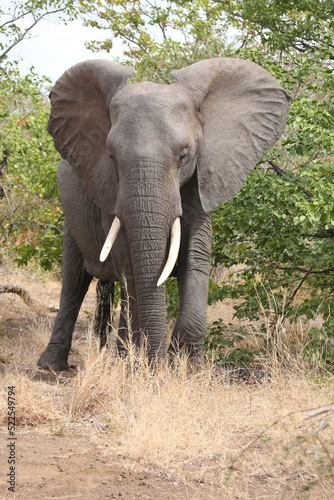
{"x": 149, "y": 153}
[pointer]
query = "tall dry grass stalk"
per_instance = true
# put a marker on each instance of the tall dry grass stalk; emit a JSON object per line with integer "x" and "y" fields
{"x": 203, "y": 423}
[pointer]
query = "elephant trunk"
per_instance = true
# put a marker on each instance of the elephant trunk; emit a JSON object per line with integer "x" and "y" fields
{"x": 149, "y": 209}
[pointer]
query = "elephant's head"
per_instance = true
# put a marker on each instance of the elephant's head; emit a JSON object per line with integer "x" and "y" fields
{"x": 135, "y": 145}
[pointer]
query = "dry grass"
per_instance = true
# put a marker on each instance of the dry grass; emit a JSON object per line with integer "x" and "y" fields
{"x": 202, "y": 425}
{"x": 34, "y": 406}
{"x": 22, "y": 348}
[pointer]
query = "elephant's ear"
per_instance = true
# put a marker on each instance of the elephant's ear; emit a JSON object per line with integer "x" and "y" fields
{"x": 243, "y": 111}
{"x": 80, "y": 123}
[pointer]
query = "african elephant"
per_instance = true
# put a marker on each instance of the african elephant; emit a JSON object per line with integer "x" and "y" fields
{"x": 143, "y": 164}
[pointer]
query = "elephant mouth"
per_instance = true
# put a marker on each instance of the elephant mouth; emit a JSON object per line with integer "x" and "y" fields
{"x": 173, "y": 249}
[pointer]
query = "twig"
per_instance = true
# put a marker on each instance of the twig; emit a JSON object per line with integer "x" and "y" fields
{"x": 308, "y": 271}
{"x": 318, "y": 412}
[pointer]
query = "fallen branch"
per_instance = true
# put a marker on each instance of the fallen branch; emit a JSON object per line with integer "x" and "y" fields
{"x": 26, "y": 297}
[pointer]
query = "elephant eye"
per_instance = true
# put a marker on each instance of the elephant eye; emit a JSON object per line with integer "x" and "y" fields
{"x": 183, "y": 159}
{"x": 111, "y": 156}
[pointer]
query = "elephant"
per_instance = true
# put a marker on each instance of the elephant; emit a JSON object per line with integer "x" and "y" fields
{"x": 142, "y": 166}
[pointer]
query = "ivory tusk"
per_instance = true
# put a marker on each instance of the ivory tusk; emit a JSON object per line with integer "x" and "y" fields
{"x": 173, "y": 251}
{"x": 110, "y": 240}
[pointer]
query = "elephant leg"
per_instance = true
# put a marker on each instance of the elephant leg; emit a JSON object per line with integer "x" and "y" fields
{"x": 103, "y": 314}
{"x": 128, "y": 329}
{"x": 75, "y": 284}
{"x": 193, "y": 282}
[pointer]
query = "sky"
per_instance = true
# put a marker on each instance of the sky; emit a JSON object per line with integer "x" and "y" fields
{"x": 53, "y": 47}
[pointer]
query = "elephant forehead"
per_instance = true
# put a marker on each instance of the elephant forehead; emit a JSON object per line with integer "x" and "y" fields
{"x": 148, "y": 98}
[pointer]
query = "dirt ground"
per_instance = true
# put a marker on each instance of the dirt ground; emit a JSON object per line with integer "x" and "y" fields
{"x": 51, "y": 466}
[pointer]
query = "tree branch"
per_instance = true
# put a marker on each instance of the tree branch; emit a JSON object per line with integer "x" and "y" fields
{"x": 307, "y": 271}
{"x": 23, "y": 35}
{"x": 14, "y": 19}
{"x": 121, "y": 33}
{"x": 302, "y": 281}
{"x": 329, "y": 234}
{"x": 26, "y": 297}
{"x": 281, "y": 173}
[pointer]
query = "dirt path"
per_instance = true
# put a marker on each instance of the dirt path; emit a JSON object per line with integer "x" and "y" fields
{"x": 51, "y": 466}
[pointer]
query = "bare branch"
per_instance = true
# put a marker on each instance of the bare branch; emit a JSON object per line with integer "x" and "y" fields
{"x": 248, "y": 445}
{"x": 302, "y": 281}
{"x": 26, "y": 297}
{"x": 308, "y": 271}
{"x": 15, "y": 19}
{"x": 23, "y": 35}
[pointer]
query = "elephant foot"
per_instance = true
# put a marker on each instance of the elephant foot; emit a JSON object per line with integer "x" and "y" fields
{"x": 53, "y": 361}
{"x": 125, "y": 342}
{"x": 121, "y": 351}
{"x": 193, "y": 352}
{"x": 196, "y": 363}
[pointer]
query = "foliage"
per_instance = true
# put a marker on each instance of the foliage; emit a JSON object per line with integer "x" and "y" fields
{"x": 225, "y": 345}
{"x": 172, "y": 298}
{"x": 30, "y": 213}
{"x": 159, "y": 36}
{"x": 299, "y": 25}
{"x": 19, "y": 18}
{"x": 280, "y": 227}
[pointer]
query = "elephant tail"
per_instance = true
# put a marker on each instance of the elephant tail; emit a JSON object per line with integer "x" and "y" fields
{"x": 103, "y": 312}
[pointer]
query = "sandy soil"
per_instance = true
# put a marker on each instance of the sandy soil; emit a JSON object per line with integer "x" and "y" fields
{"x": 51, "y": 466}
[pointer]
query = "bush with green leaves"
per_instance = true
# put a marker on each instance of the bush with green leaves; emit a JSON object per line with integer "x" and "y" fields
{"x": 227, "y": 345}
{"x": 30, "y": 214}
{"x": 280, "y": 226}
